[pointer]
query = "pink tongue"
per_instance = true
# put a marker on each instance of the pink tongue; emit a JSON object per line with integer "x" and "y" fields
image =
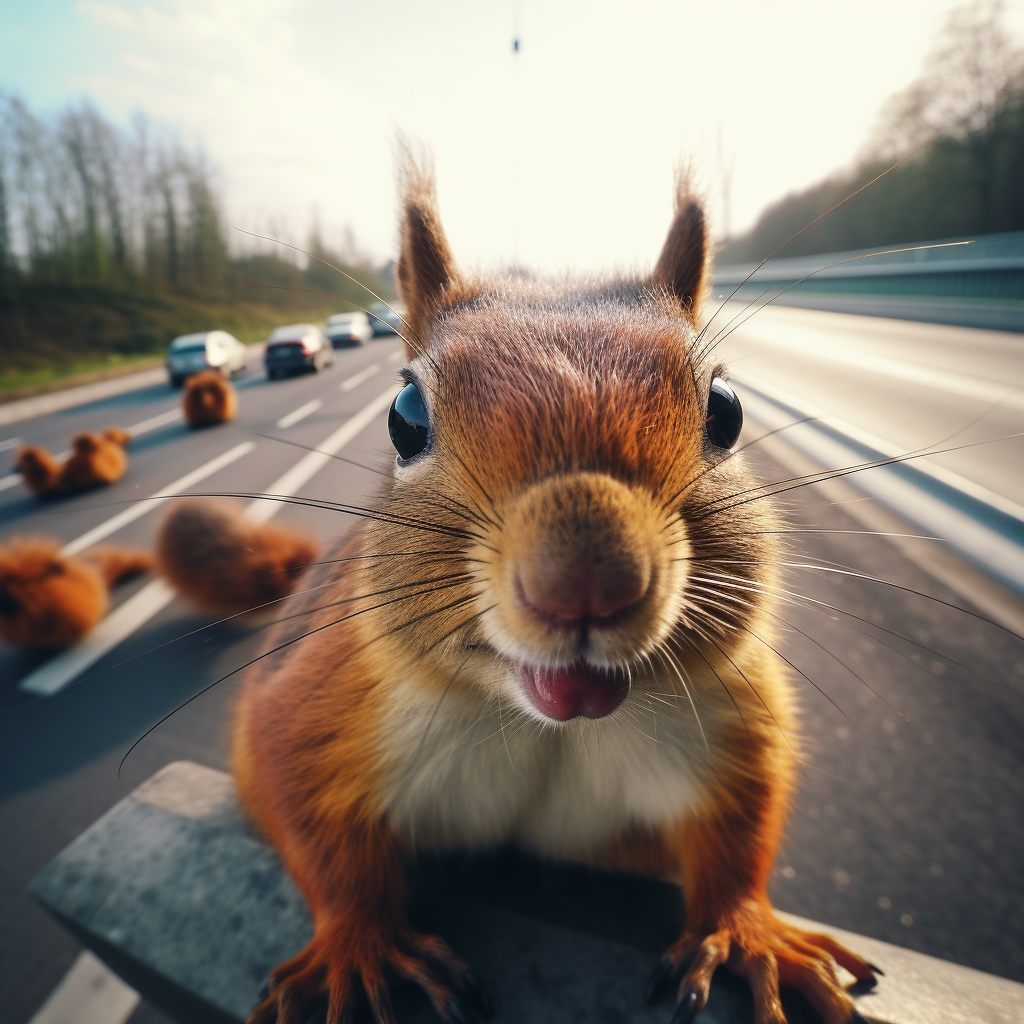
{"x": 580, "y": 689}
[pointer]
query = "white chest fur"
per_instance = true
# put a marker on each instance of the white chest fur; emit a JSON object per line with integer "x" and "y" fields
{"x": 466, "y": 773}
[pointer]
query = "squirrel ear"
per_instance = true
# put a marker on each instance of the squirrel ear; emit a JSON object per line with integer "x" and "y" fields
{"x": 426, "y": 271}
{"x": 684, "y": 266}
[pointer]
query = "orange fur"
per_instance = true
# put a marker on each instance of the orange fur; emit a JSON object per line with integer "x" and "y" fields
{"x": 208, "y": 399}
{"x": 95, "y": 460}
{"x": 49, "y": 600}
{"x": 39, "y": 470}
{"x": 223, "y": 563}
{"x": 568, "y": 510}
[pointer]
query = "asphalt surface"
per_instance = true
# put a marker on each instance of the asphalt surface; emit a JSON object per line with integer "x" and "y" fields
{"x": 913, "y": 384}
{"x": 909, "y": 822}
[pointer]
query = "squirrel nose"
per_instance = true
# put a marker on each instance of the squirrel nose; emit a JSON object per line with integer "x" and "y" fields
{"x": 573, "y": 589}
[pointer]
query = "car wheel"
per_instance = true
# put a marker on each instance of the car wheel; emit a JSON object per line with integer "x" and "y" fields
{"x": 273, "y": 374}
{"x": 176, "y": 382}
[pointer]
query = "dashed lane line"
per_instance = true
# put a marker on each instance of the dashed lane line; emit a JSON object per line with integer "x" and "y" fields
{"x": 299, "y": 414}
{"x": 63, "y": 668}
{"x": 359, "y": 378}
{"x": 140, "y": 508}
{"x": 288, "y": 485}
{"x": 160, "y": 420}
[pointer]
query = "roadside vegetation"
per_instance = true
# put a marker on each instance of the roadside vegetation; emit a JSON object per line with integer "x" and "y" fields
{"x": 964, "y": 115}
{"x": 113, "y": 242}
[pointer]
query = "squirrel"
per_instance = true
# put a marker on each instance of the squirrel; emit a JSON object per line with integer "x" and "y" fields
{"x": 95, "y": 460}
{"x": 208, "y": 399}
{"x": 49, "y": 601}
{"x": 535, "y": 592}
{"x": 222, "y": 562}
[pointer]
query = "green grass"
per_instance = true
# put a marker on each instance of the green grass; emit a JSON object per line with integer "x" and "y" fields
{"x": 56, "y": 337}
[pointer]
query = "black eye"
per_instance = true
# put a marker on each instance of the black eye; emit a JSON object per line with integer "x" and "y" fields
{"x": 408, "y": 423}
{"x": 725, "y": 415}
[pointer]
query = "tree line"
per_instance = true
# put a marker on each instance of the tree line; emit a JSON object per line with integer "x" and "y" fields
{"x": 963, "y": 122}
{"x": 84, "y": 203}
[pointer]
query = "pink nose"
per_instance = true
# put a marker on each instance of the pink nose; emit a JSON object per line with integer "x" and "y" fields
{"x": 573, "y": 589}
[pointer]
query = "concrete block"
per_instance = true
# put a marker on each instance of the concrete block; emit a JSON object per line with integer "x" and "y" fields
{"x": 174, "y": 892}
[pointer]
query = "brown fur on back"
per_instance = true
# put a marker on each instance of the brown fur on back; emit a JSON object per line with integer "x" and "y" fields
{"x": 116, "y": 565}
{"x": 49, "y": 600}
{"x": 208, "y": 399}
{"x": 95, "y": 460}
{"x": 39, "y": 470}
{"x": 223, "y": 563}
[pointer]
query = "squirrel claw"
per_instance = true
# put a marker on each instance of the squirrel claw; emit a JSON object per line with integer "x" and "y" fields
{"x": 459, "y": 1013}
{"x": 656, "y": 983}
{"x": 686, "y": 1008}
{"x": 474, "y": 988}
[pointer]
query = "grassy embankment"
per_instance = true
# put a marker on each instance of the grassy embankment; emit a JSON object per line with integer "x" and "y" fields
{"x": 57, "y": 337}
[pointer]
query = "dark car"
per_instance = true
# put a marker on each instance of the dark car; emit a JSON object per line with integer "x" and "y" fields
{"x": 387, "y": 320}
{"x": 297, "y": 347}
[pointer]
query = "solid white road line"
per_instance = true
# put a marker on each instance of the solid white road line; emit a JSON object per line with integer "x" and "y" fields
{"x": 289, "y": 484}
{"x": 299, "y": 414}
{"x": 975, "y": 388}
{"x": 11, "y": 442}
{"x": 144, "y": 505}
{"x": 144, "y": 427}
{"x": 62, "y": 669}
{"x": 354, "y": 382}
{"x": 90, "y": 993}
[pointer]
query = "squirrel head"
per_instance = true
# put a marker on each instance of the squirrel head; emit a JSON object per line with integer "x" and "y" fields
{"x": 573, "y": 451}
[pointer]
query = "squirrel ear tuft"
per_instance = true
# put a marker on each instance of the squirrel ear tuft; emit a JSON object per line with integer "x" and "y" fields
{"x": 684, "y": 266}
{"x": 426, "y": 270}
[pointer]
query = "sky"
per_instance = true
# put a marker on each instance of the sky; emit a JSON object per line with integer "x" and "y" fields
{"x": 558, "y": 156}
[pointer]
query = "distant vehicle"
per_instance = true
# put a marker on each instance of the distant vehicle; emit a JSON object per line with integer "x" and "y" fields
{"x": 208, "y": 350}
{"x": 297, "y": 347}
{"x": 349, "y": 329}
{"x": 385, "y": 320}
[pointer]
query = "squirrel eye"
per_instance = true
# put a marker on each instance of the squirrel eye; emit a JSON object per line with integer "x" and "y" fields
{"x": 725, "y": 415}
{"x": 408, "y": 423}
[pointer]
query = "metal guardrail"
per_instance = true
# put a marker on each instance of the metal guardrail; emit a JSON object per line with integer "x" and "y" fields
{"x": 991, "y": 268}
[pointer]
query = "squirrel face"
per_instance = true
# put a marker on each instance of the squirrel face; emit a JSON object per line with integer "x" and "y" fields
{"x": 572, "y": 453}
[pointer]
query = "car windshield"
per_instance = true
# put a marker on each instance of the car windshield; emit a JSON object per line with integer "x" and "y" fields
{"x": 294, "y": 332}
{"x": 189, "y": 343}
{"x": 341, "y": 319}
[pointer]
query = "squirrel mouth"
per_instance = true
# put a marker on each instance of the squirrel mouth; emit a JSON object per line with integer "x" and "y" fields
{"x": 574, "y": 691}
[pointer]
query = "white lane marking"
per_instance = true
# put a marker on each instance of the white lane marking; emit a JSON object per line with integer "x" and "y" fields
{"x": 139, "y": 428}
{"x": 263, "y": 508}
{"x": 90, "y": 993}
{"x": 354, "y": 382}
{"x": 160, "y": 420}
{"x": 63, "y": 668}
{"x": 976, "y": 388}
{"x": 144, "y": 505}
{"x": 299, "y": 414}
{"x": 886, "y": 448}
{"x": 11, "y": 442}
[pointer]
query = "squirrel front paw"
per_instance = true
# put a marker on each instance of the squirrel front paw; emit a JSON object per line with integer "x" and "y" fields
{"x": 338, "y": 960}
{"x": 768, "y": 953}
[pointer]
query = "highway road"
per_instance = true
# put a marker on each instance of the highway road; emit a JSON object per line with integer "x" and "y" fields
{"x": 909, "y": 823}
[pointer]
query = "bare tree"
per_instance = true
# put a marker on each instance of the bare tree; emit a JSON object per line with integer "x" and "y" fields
{"x": 969, "y": 76}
